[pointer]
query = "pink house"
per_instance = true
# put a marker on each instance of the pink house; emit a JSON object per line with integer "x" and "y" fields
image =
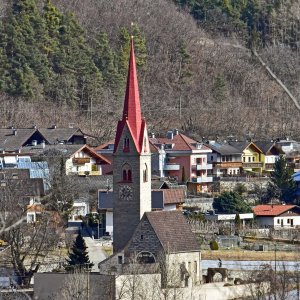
{"x": 185, "y": 160}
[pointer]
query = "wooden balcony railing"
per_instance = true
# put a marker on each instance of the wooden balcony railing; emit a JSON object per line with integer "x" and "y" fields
{"x": 252, "y": 164}
{"x": 81, "y": 160}
{"x": 228, "y": 164}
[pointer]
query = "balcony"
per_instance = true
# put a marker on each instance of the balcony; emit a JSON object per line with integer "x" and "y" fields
{"x": 228, "y": 164}
{"x": 202, "y": 179}
{"x": 202, "y": 167}
{"x": 269, "y": 167}
{"x": 81, "y": 160}
{"x": 89, "y": 173}
{"x": 171, "y": 167}
{"x": 252, "y": 165}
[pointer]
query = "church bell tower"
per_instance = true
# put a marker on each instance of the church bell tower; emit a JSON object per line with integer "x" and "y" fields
{"x": 131, "y": 164}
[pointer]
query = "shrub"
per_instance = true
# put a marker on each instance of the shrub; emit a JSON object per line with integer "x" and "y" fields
{"x": 214, "y": 245}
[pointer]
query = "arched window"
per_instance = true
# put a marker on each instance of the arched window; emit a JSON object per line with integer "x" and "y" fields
{"x": 145, "y": 173}
{"x": 129, "y": 175}
{"x": 126, "y": 173}
{"x": 126, "y": 145}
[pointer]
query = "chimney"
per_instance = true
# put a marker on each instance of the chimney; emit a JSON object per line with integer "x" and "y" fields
{"x": 175, "y": 131}
{"x": 43, "y": 144}
{"x": 14, "y": 131}
{"x": 170, "y": 135}
{"x": 53, "y": 126}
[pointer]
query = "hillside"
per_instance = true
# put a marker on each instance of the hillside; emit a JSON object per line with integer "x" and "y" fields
{"x": 191, "y": 75}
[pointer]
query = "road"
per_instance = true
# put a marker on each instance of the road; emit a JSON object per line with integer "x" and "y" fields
{"x": 96, "y": 254}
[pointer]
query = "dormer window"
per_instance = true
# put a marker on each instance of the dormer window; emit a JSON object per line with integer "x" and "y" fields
{"x": 126, "y": 145}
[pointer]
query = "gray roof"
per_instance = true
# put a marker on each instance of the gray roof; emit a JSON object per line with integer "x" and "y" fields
{"x": 53, "y": 150}
{"x": 94, "y": 183}
{"x": 173, "y": 231}
{"x": 266, "y": 146}
{"x": 239, "y": 145}
{"x": 53, "y": 135}
{"x": 223, "y": 148}
{"x": 10, "y": 141}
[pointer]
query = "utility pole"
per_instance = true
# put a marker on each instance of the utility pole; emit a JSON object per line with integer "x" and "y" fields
{"x": 275, "y": 269}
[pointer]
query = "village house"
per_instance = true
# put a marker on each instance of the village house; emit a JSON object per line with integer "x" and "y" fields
{"x": 270, "y": 153}
{"x": 185, "y": 160}
{"x": 251, "y": 156}
{"x": 277, "y": 216}
{"x": 226, "y": 159}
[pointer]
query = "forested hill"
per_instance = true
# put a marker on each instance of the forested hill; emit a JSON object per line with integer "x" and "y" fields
{"x": 65, "y": 61}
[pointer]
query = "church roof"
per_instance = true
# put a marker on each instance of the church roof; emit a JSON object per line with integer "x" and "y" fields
{"x": 173, "y": 231}
{"x": 132, "y": 116}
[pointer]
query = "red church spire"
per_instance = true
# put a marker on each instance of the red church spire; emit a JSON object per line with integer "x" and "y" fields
{"x": 132, "y": 109}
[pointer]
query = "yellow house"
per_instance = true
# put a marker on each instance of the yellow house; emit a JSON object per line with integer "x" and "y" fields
{"x": 271, "y": 153}
{"x": 252, "y": 157}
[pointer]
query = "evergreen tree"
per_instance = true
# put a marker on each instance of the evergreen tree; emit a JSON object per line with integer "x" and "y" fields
{"x": 282, "y": 185}
{"x": 231, "y": 203}
{"x": 78, "y": 257}
{"x": 76, "y": 79}
{"x": 140, "y": 49}
{"x": 105, "y": 61}
{"x": 27, "y": 63}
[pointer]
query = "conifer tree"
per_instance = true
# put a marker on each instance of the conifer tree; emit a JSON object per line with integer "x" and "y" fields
{"x": 105, "y": 60}
{"x": 140, "y": 49}
{"x": 76, "y": 79}
{"x": 27, "y": 64}
{"x": 282, "y": 185}
{"x": 78, "y": 257}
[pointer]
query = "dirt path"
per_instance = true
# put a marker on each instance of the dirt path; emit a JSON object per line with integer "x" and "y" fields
{"x": 249, "y": 255}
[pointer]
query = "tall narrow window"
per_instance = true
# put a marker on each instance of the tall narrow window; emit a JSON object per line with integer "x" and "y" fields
{"x": 126, "y": 172}
{"x": 124, "y": 175}
{"x": 129, "y": 177}
{"x": 145, "y": 173}
{"x": 126, "y": 145}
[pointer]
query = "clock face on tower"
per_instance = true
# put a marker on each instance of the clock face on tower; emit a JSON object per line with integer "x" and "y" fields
{"x": 125, "y": 192}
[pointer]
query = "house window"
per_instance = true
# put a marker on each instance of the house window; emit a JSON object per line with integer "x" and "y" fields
{"x": 278, "y": 221}
{"x": 126, "y": 145}
{"x": 142, "y": 236}
{"x": 288, "y": 221}
{"x": 211, "y": 158}
{"x": 249, "y": 159}
{"x": 244, "y": 159}
{"x": 120, "y": 259}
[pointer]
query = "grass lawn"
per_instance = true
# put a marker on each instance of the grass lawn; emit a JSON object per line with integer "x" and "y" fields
{"x": 238, "y": 254}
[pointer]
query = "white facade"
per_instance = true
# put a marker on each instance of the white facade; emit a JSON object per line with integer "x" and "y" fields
{"x": 80, "y": 209}
{"x": 82, "y": 163}
{"x": 279, "y": 221}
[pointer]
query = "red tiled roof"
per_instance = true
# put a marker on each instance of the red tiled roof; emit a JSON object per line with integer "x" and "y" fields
{"x": 173, "y": 231}
{"x": 172, "y": 196}
{"x": 181, "y": 142}
{"x": 132, "y": 116}
{"x": 271, "y": 210}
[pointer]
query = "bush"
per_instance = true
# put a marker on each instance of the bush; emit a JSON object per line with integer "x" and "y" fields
{"x": 214, "y": 245}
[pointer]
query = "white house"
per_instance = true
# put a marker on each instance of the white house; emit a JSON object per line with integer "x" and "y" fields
{"x": 278, "y": 216}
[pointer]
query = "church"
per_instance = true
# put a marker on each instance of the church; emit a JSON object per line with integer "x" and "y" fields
{"x": 155, "y": 247}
